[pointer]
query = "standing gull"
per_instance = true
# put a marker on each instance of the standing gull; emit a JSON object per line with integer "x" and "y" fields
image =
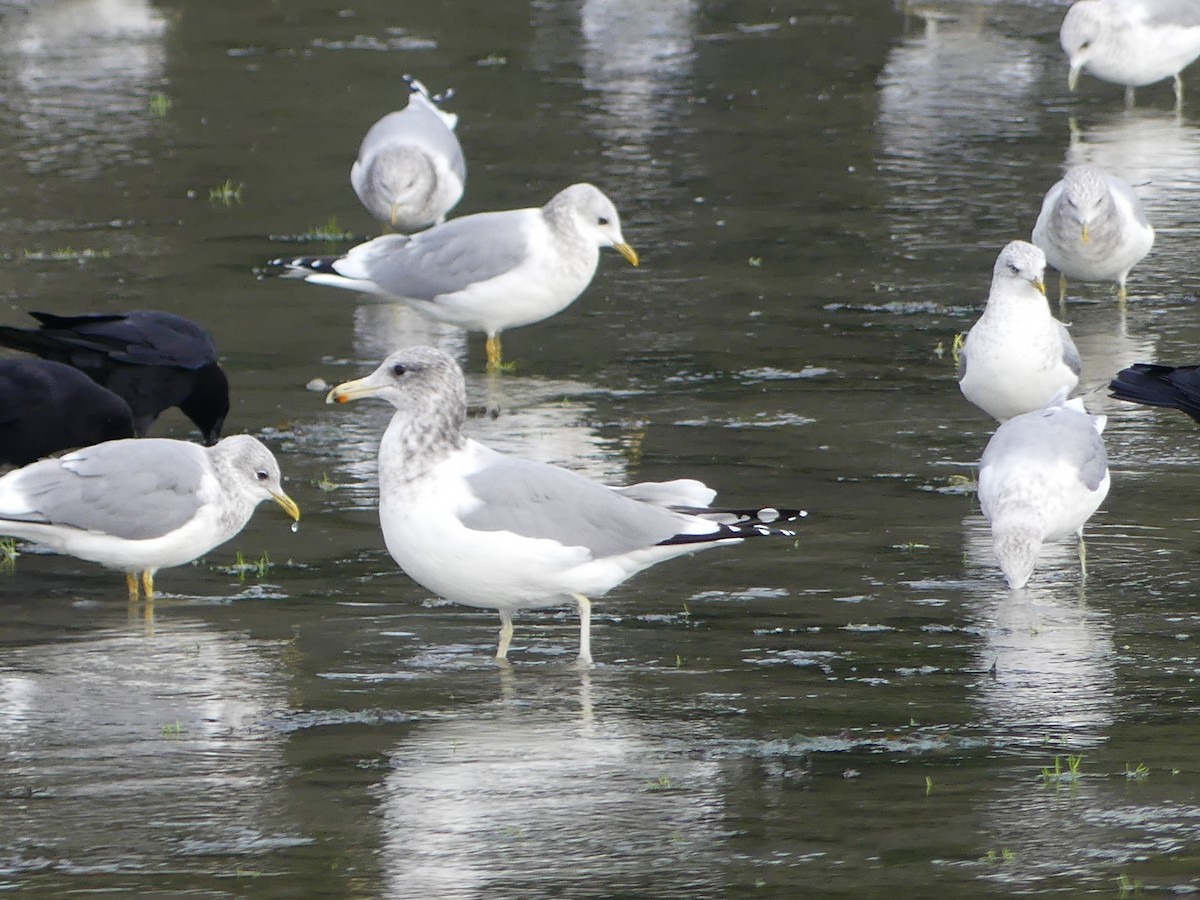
{"x": 1131, "y": 42}
{"x": 141, "y": 505}
{"x": 153, "y": 360}
{"x": 1173, "y": 387}
{"x": 47, "y": 406}
{"x": 485, "y": 272}
{"x": 1092, "y": 227}
{"x": 503, "y": 533}
{"x": 1017, "y": 356}
{"x": 410, "y": 170}
{"x": 1042, "y": 476}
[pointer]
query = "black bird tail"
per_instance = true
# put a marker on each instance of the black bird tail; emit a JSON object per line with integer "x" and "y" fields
{"x": 1173, "y": 387}
{"x": 741, "y": 523}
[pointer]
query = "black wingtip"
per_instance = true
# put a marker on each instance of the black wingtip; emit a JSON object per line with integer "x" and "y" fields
{"x": 303, "y": 263}
{"x": 767, "y": 521}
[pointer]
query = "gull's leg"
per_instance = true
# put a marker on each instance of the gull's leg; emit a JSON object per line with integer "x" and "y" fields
{"x": 1062, "y": 292}
{"x": 493, "y": 352}
{"x": 1082, "y": 556}
{"x": 1129, "y": 96}
{"x": 1178, "y": 93}
{"x": 505, "y": 634}
{"x": 131, "y": 582}
{"x": 1121, "y": 295}
{"x": 585, "y": 629}
{"x": 148, "y": 585}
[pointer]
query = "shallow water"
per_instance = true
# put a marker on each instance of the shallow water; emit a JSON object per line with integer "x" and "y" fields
{"x": 818, "y": 194}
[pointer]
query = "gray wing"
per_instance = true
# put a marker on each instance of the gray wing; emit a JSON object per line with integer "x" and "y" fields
{"x": 1183, "y": 13}
{"x": 1070, "y": 355}
{"x": 446, "y": 258}
{"x": 962, "y": 362}
{"x": 417, "y": 125}
{"x": 133, "y": 489}
{"x": 1123, "y": 190}
{"x": 537, "y": 500}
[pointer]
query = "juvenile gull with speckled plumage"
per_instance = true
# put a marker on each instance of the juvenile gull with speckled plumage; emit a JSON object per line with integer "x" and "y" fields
{"x": 1017, "y": 356}
{"x": 485, "y": 272}
{"x": 1041, "y": 477}
{"x": 497, "y": 532}
{"x": 1092, "y": 228}
{"x": 140, "y": 505}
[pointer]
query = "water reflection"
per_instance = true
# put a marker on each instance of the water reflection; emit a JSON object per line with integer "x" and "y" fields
{"x": 80, "y": 74}
{"x": 550, "y": 784}
{"x": 116, "y": 735}
{"x": 1052, "y": 655}
{"x": 939, "y": 127}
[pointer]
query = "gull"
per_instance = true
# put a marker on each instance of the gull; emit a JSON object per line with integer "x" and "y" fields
{"x": 153, "y": 360}
{"x": 410, "y": 169}
{"x": 140, "y": 505}
{"x": 498, "y": 532}
{"x": 47, "y": 406}
{"x": 1041, "y": 477}
{"x": 1017, "y": 356}
{"x": 1173, "y": 387}
{"x": 1092, "y": 227}
{"x": 1131, "y": 42}
{"x": 484, "y": 272}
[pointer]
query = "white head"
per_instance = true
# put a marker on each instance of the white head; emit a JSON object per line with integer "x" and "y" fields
{"x": 1084, "y": 198}
{"x": 592, "y": 215}
{"x": 1020, "y": 263}
{"x": 1085, "y": 25}
{"x": 246, "y": 466}
{"x": 1016, "y": 547}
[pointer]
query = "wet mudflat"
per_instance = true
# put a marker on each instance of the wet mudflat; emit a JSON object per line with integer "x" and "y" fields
{"x": 818, "y": 194}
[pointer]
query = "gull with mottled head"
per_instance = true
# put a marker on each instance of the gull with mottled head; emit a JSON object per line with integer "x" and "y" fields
{"x": 1041, "y": 477}
{"x": 410, "y": 169}
{"x": 1092, "y": 228}
{"x": 485, "y": 272}
{"x": 1017, "y": 356}
{"x": 140, "y": 505}
{"x": 1131, "y": 42}
{"x": 497, "y": 532}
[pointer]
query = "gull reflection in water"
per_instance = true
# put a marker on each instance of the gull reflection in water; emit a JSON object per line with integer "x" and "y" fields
{"x": 1051, "y": 655}
{"x": 79, "y": 76}
{"x": 525, "y": 797}
{"x": 110, "y": 730}
{"x": 940, "y": 126}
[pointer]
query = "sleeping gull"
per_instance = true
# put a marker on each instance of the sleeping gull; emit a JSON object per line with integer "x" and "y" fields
{"x": 1017, "y": 356}
{"x": 1042, "y": 476}
{"x": 410, "y": 169}
{"x": 1092, "y": 228}
{"x": 153, "y": 360}
{"x": 141, "y": 505}
{"x": 47, "y": 406}
{"x": 499, "y": 532}
{"x": 485, "y": 272}
{"x": 1173, "y": 387}
{"x": 1131, "y": 42}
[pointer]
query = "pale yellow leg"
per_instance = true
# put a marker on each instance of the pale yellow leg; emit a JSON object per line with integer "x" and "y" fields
{"x": 1062, "y": 289}
{"x": 148, "y": 585}
{"x": 585, "y": 629}
{"x": 1082, "y": 556}
{"x": 1121, "y": 295}
{"x": 493, "y": 352}
{"x": 506, "y": 632}
{"x": 131, "y": 582}
{"x": 1178, "y": 93}
{"x": 1129, "y": 96}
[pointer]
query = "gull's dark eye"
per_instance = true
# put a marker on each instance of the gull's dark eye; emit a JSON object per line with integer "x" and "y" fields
{"x": 1012, "y": 267}
{"x": 603, "y": 220}
{"x": 261, "y": 475}
{"x": 398, "y": 369}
